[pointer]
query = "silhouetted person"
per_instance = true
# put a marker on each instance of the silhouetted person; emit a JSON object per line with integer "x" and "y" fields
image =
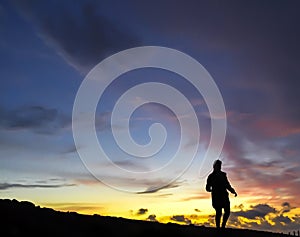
{"x": 218, "y": 184}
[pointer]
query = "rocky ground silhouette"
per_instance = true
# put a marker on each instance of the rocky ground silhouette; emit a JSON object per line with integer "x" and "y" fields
{"x": 23, "y": 218}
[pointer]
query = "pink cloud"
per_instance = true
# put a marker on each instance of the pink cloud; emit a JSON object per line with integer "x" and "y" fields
{"x": 262, "y": 126}
{"x": 274, "y": 127}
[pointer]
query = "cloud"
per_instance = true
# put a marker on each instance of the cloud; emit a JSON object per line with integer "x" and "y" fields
{"x": 79, "y": 31}
{"x": 39, "y": 119}
{"x": 286, "y": 207}
{"x": 261, "y": 165}
{"x": 149, "y": 184}
{"x": 77, "y": 207}
{"x": 257, "y": 217}
{"x": 102, "y": 121}
{"x": 71, "y": 149}
{"x": 273, "y": 127}
{"x": 151, "y": 217}
{"x": 157, "y": 187}
{"x": 282, "y": 220}
{"x": 255, "y": 64}
{"x": 257, "y": 211}
{"x": 142, "y": 211}
{"x": 181, "y": 219}
{"x": 264, "y": 217}
{"x": 5, "y": 186}
{"x": 195, "y": 197}
{"x": 261, "y": 127}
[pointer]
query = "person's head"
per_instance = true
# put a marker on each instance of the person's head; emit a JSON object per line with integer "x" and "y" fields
{"x": 217, "y": 165}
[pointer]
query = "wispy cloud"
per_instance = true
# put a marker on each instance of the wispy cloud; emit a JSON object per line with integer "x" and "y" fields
{"x": 74, "y": 206}
{"x": 157, "y": 187}
{"x": 82, "y": 42}
{"x": 4, "y": 186}
{"x": 38, "y": 119}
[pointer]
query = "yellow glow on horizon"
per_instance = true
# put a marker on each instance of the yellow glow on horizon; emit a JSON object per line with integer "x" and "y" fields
{"x": 189, "y": 202}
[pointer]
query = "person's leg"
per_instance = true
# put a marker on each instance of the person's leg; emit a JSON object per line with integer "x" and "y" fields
{"x": 226, "y": 214}
{"x": 218, "y": 216}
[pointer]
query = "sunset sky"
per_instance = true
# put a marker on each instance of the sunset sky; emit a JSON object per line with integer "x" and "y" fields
{"x": 251, "y": 50}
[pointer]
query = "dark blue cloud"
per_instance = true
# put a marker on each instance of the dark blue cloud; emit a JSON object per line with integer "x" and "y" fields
{"x": 282, "y": 220}
{"x": 257, "y": 211}
{"x": 35, "y": 118}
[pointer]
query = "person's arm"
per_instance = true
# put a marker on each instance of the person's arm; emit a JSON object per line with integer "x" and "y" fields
{"x": 229, "y": 187}
{"x": 208, "y": 186}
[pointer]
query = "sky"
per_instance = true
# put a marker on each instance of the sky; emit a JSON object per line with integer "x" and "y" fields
{"x": 251, "y": 51}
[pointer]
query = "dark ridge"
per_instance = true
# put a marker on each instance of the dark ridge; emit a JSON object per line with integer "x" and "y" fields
{"x": 23, "y": 218}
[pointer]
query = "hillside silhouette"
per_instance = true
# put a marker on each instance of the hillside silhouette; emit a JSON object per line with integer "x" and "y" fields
{"x": 23, "y": 218}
